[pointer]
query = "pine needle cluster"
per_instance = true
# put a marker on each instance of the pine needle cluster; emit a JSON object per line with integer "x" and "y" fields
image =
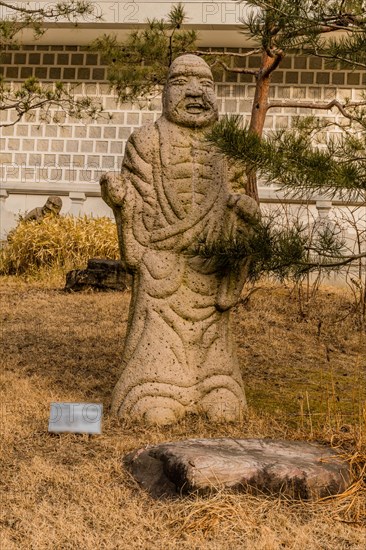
{"x": 139, "y": 66}
{"x": 17, "y": 16}
{"x": 305, "y": 26}
{"x": 277, "y": 247}
{"x": 296, "y": 159}
{"x": 49, "y": 101}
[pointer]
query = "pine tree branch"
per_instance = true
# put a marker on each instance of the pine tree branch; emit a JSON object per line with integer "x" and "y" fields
{"x": 228, "y": 54}
{"x": 237, "y": 69}
{"x": 322, "y": 106}
{"x": 18, "y": 17}
{"x": 340, "y": 58}
{"x": 340, "y": 263}
{"x": 339, "y": 20}
{"x": 32, "y": 96}
{"x": 21, "y": 9}
{"x": 74, "y": 7}
{"x": 7, "y": 124}
{"x": 342, "y": 258}
{"x": 277, "y": 60}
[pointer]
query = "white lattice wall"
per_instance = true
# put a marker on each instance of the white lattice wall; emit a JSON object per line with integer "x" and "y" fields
{"x": 42, "y": 158}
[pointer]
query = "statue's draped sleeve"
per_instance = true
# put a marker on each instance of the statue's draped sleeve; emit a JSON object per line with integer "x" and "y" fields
{"x": 135, "y": 212}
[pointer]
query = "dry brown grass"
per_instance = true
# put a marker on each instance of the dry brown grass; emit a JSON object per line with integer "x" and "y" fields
{"x": 70, "y": 491}
{"x": 58, "y": 243}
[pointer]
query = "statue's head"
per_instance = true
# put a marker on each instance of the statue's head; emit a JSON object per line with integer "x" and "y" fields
{"x": 189, "y": 98}
{"x": 53, "y": 204}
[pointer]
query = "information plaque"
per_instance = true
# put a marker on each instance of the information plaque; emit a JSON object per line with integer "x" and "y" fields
{"x": 82, "y": 418}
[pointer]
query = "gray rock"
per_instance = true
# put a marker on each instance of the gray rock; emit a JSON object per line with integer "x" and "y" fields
{"x": 101, "y": 274}
{"x": 298, "y": 469}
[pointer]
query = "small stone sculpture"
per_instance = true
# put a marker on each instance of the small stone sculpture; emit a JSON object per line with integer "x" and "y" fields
{"x": 172, "y": 194}
{"x": 52, "y": 206}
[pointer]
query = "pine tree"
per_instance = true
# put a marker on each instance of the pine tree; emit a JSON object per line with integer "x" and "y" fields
{"x": 295, "y": 158}
{"x": 334, "y": 30}
{"x": 303, "y": 159}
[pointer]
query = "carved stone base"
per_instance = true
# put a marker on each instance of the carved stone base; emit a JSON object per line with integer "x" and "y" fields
{"x": 101, "y": 274}
{"x": 297, "y": 469}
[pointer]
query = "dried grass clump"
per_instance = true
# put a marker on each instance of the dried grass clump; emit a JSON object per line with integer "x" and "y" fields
{"x": 62, "y": 243}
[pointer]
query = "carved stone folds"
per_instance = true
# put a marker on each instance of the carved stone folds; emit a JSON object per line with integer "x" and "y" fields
{"x": 172, "y": 194}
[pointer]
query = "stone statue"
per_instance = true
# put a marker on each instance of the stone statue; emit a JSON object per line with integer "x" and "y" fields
{"x": 173, "y": 193}
{"x": 52, "y": 206}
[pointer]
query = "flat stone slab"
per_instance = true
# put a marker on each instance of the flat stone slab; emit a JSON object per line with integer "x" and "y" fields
{"x": 298, "y": 469}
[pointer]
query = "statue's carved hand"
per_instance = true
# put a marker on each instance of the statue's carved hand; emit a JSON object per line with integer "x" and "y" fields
{"x": 113, "y": 189}
{"x": 244, "y": 206}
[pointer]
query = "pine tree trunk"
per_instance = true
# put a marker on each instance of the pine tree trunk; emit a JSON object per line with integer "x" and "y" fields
{"x": 258, "y": 116}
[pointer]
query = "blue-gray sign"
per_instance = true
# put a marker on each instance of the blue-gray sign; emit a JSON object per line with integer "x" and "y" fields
{"x": 82, "y": 418}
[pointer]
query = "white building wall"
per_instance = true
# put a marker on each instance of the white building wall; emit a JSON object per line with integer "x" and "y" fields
{"x": 40, "y": 158}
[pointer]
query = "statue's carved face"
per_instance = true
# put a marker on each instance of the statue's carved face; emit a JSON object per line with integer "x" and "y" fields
{"x": 52, "y": 206}
{"x": 189, "y": 98}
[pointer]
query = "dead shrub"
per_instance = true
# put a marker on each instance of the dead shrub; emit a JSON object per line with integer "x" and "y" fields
{"x": 61, "y": 243}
